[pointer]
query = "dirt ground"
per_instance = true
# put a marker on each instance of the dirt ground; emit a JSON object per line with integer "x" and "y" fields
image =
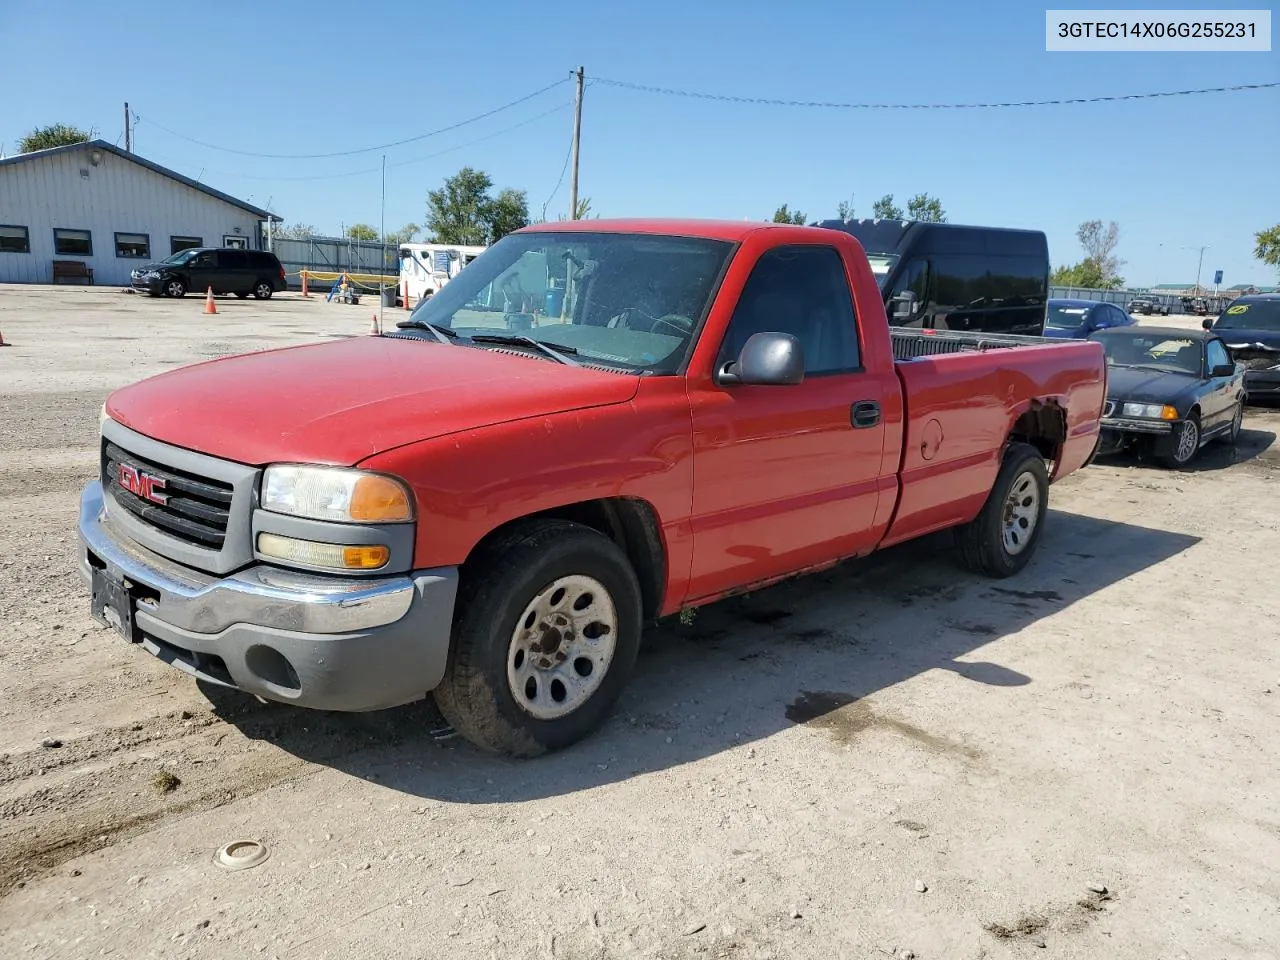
{"x": 887, "y": 759}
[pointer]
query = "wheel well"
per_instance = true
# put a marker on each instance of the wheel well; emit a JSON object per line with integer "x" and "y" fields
{"x": 631, "y": 524}
{"x": 1043, "y": 426}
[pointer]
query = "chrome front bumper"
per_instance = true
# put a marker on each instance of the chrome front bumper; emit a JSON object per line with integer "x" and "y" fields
{"x": 1134, "y": 425}
{"x": 327, "y": 642}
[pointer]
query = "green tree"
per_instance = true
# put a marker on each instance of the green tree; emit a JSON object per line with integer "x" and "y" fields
{"x": 926, "y": 209}
{"x": 784, "y": 215}
{"x": 293, "y": 231}
{"x": 462, "y": 211}
{"x": 362, "y": 231}
{"x": 406, "y": 234}
{"x": 1088, "y": 274}
{"x": 886, "y": 209}
{"x": 506, "y": 213}
{"x": 456, "y": 212}
{"x": 55, "y": 135}
{"x": 1099, "y": 243}
{"x": 1268, "y": 248}
{"x": 844, "y": 210}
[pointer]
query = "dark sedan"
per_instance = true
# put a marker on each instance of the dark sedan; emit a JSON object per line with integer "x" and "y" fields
{"x": 1250, "y": 327}
{"x": 1169, "y": 391}
{"x": 1076, "y": 319}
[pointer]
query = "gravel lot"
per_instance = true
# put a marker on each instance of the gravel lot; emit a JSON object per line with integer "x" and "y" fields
{"x": 894, "y": 756}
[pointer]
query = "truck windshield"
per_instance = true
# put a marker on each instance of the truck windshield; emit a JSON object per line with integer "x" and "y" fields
{"x": 625, "y": 300}
{"x": 1257, "y": 315}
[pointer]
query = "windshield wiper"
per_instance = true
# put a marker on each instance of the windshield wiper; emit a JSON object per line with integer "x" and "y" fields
{"x": 555, "y": 351}
{"x": 443, "y": 334}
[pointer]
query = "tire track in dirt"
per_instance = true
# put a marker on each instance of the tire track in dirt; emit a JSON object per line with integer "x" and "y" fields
{"x": 58, "y": 803}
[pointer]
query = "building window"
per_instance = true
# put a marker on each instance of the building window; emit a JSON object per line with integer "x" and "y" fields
{"x": 14, "y": 240}
{"x": 177, "y": 244}
{"x": 235, "y": 243}
{"x": 74, "y": 243}
{"x": 135, "y": 246}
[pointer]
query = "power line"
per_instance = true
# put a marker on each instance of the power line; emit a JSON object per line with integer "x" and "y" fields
{"x": 666, "y": 91}
{"x": 372, "y": 149}
{"x": 401, "y": 163}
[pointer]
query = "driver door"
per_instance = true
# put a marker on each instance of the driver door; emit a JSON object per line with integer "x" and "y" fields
{"x": 789, "y": 477}
{"x": 1219, "y": 402}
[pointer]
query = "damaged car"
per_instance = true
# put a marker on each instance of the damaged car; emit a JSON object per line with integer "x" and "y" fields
{"x": 1250, "y": 327}
{"x": 1169, "y": 392}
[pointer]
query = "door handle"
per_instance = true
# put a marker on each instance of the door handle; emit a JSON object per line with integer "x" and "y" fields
{"x": 865, "y": 413}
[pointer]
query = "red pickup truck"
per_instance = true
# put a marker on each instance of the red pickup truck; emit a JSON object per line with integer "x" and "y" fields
{"x": 595, "y": 424}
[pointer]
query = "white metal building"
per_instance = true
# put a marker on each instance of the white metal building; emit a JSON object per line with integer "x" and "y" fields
{"x": 111, "y": 211}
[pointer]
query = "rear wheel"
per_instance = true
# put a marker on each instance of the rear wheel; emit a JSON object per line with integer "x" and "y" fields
{"x": 1237, "y": 423}
{"x": 262, "y": 290}
{"x": 547, "y": 633}
{"x": 1001, "y": 539}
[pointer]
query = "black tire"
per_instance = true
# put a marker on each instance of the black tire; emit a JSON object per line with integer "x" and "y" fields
{"x": 174, "y": 287}
{"x": 497, "y": 586}
{"x": 262, "y": 290}
{"x": 982, "y": 542}
{"x": 1184, "y": 450}
{"x": 1232, "y": 435}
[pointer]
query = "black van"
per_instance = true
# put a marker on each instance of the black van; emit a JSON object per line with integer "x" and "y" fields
{"x": 225, "y": 269}
{"x": 947, "y": 276}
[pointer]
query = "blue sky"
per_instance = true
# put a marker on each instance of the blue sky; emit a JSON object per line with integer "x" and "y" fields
{"x": 289, "y": 77}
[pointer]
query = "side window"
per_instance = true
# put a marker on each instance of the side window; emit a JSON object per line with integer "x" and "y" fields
{"x": 204, "y": 260}
{"x": 1217, "y": 356}
{"x": 232, "y": 260}
{"x": 914, "y": 278}
{"x": 801, "y": 290}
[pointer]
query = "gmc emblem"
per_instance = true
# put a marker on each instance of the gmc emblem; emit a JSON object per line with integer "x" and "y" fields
{"x": 141, "y": 484}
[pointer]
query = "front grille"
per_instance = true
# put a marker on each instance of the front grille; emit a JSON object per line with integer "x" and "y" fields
{"x": 196, "y": 509}
{"x": 1109, "y": 409}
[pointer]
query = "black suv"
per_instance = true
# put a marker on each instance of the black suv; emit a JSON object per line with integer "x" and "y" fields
{"x": 225, "y": 269}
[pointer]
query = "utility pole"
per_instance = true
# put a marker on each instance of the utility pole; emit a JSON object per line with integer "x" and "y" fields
{"x": 577, "y": 136}
{"x": 128, "y": 134}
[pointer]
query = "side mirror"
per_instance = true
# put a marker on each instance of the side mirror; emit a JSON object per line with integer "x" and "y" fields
{"x": 1207, "y": 323}
{"x": 1223, "y": 370}
{"x": 903, "y": 305}
{"x": 767, "y": 359}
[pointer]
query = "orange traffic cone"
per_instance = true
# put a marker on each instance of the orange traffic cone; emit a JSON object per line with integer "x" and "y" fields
{"x": 373, "y": 327}
{"x": 208, "y": 303}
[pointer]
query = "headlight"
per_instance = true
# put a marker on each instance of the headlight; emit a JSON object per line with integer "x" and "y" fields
{"x": 1150, "y": 411}
{"x": 153, "y": 275}
{"x": 335, "y": 493}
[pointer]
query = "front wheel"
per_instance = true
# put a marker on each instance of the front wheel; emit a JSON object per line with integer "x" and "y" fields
{"x": 546, "y": 637}
{"x": 1001, "y": 539}
{"x": 1186, "y": 443}
{"x": 175, "y": 288}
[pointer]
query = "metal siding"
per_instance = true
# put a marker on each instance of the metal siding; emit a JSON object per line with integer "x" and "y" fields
{"x": 118, "y": 197}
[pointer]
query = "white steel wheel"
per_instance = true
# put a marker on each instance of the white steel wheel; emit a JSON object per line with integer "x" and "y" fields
{"x": 562, "y": 646}
{"x": 1021, "y": 513}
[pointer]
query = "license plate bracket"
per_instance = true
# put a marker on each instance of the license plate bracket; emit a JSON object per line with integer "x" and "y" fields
{"x": 111, "y": 604}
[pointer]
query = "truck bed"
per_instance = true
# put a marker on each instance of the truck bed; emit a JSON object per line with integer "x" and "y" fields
{"x": 910, "y": 343}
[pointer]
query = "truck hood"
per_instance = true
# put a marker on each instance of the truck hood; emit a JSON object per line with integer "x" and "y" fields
{"x": 341, "y": 402}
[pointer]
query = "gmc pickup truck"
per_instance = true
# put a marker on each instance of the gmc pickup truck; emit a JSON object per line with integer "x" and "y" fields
{"x": 594, "y": 425}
